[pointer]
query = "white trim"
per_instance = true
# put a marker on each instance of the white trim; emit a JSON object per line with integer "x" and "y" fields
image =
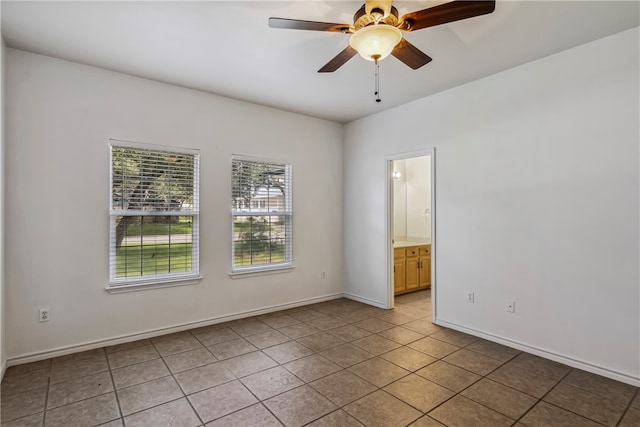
{"x": 255, "y": 271}
{"x": 3, "y": 369}
{"x": 431, "y": 152}
{"x": 146, "y": 146}
{"x": 575, "y": 363}
{"x": 158, "y": 284}
{"x": 62, "y": 351}
{"x": 365, "y": 300}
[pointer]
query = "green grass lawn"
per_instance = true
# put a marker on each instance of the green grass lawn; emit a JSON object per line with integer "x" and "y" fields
{"x": 136, "y": 260}
{"x": 159, "y": 229}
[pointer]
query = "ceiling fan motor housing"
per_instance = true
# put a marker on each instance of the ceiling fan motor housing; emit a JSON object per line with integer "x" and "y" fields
{"x": 362, "y": 18}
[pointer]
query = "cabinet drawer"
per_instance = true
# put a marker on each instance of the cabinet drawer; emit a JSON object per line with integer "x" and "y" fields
{"x": 398, "y": 253}
{"x": 413, "y": 251}
{"x": 425, "y": 250}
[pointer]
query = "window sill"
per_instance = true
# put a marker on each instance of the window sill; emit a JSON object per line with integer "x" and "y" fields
{"x": 135, "y": 287}
{"x": 261, "y": 272}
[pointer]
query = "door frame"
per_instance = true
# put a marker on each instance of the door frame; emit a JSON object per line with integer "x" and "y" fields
{"x": 431, "y": 152}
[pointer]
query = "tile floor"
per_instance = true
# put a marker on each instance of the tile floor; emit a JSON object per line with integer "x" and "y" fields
{"x": 337, "y": 363}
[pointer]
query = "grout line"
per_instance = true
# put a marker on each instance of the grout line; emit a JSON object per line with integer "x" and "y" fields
{"x": 115, "y": 391}
{"x": 628, "y": 406}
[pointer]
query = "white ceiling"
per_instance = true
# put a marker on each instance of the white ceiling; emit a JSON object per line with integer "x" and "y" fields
{"x": 228, "y": 49}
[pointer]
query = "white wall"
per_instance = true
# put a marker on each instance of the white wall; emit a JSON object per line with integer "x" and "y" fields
{"x": 60, "y": 116}
{"x": 418, "y": 197}
{"x": 3, "y": 348}
{"x": 537, "y": 188}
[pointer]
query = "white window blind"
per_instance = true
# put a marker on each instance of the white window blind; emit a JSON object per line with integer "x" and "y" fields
{"x": 261, "y": 209}
{"x": 154, "y": 212}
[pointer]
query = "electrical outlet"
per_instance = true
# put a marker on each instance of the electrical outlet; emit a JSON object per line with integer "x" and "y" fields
{"x": 323, "y": 275}
{"x": 44, "y": 315}
{"x": 470, "y": 297}
{"x": 510, "y": 306}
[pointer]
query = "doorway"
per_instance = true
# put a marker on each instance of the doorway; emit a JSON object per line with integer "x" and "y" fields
{"x": 411, "y": 227}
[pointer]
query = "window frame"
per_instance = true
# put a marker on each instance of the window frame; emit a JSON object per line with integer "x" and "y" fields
{"x": 252, "y": 208}
{"x": 150, "y": 281}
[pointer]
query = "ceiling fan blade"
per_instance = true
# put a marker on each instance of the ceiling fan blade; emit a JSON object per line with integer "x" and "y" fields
{"x": 410, "y": 55}
{"x": 339, "y": 60}
{"x": 297, "y": 24}
{"x": 444, "y": 13}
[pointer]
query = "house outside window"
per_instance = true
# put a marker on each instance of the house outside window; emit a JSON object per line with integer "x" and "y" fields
{"x": 261, "y": 209}
{"x": 154, "y": 214}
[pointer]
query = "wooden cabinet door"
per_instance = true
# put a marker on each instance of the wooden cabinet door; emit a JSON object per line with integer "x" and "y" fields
{"x": 425, "y": 272}
{"x": 399, "y": 284}
{"x": 413, "y": 273}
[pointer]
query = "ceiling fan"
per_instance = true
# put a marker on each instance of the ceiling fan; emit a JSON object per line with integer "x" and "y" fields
{"x": 377, "y": 30}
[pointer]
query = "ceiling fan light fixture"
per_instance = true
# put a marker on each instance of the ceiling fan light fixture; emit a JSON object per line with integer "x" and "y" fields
{"x": 375, "y": 42}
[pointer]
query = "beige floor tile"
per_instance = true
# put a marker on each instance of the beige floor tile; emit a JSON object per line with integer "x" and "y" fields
{"x": 604, "y": 410}
{"x": 337, "y": 418}
{"x": 600, "y": 385}
{"x": 472, "y": 361}
{"x": 26, "y": 381}
{"x": 636, "y": 402}
{"x": 396, "y": 318}
{"x": 286, "y": 352}
{"x": 418, "y": 392}
{"x": 177, "y": 413}
{"x": 250, "y": 328}
{"x": 401, "y": 335}
{"x": 424, "y": 327}
{"x": 189, "y": 360}
{"x": 35, "y": 420}
{"x": 139, "y": 373}
{"x": 203, "y": 377}
{"x": 114, "y": 423}
{"x": 349, "y": 333}
{"x": 546, "y": 415}
{"x": 299, "y": 406}
{"x": 433, "y": 347}
{"x": 525, "y": 381}
{"x": 631, "y": 418}
{"x": 378, "y": 371}
{"x": 493, "y": 350}
{"x": 374, "y": 325}
{"x": 426, "y": 421}
{"x": 127, "y": 346}
{"x": 20, "y": 405}
{"x": 449, "y": 376}
{"x": 539, "y": 366}
{"x": 253, "y": 416}
{"x": 233, "y": 348}
{"x": 454, "y": 337}
{"x": 270, "y": 382}
{"x": 343, "y": 387}
{"x": 307, "y": 315}
{"x": 346, "y": 355}
{"x": 380, "y": 409}
{"x": 221, "y": 400}
{"x": 176, "y": 343}
{"x": 97, "y": 410}
{"x": 500, "y": 398}
{"x": 216, "y": 336}
{"x": 320, "y": 341}
{"x": 280, "y": 321}
{"x": 408, "y": 358}
{"x": 132, "y": 356}
{"x": 28, "y": 367}
{"x": 79, "y": 389}
{"x": 376, "y": 344}
{"x": 312, "y": 367}
{"x": 146, "y": 395}
{"x": 81, "y": 368}
{"x": 248, "y": 364}
{"x": 299, "y": 330}
{"x": 95, "y": 354}
{"x": 324, "y": 323}
{"x": 460, "y": 412}
{"x": 267, "y": 339}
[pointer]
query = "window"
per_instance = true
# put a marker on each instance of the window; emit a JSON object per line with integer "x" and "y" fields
{"x": 261, "y": 210}
{"x": 154, "y": 214}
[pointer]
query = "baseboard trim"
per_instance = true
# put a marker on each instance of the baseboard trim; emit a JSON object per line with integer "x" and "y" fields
{"x": 575, "y": 363}
{"x": 3, "y": 369}
{"x": 364, "y": 300}
{"x": 63, "y": 351}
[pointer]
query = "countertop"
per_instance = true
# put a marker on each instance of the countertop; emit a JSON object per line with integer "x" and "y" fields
{"x": 406, "y": 243}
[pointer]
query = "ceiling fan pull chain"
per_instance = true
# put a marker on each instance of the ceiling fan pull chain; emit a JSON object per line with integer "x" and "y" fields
{"x": 376, "y": 64}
